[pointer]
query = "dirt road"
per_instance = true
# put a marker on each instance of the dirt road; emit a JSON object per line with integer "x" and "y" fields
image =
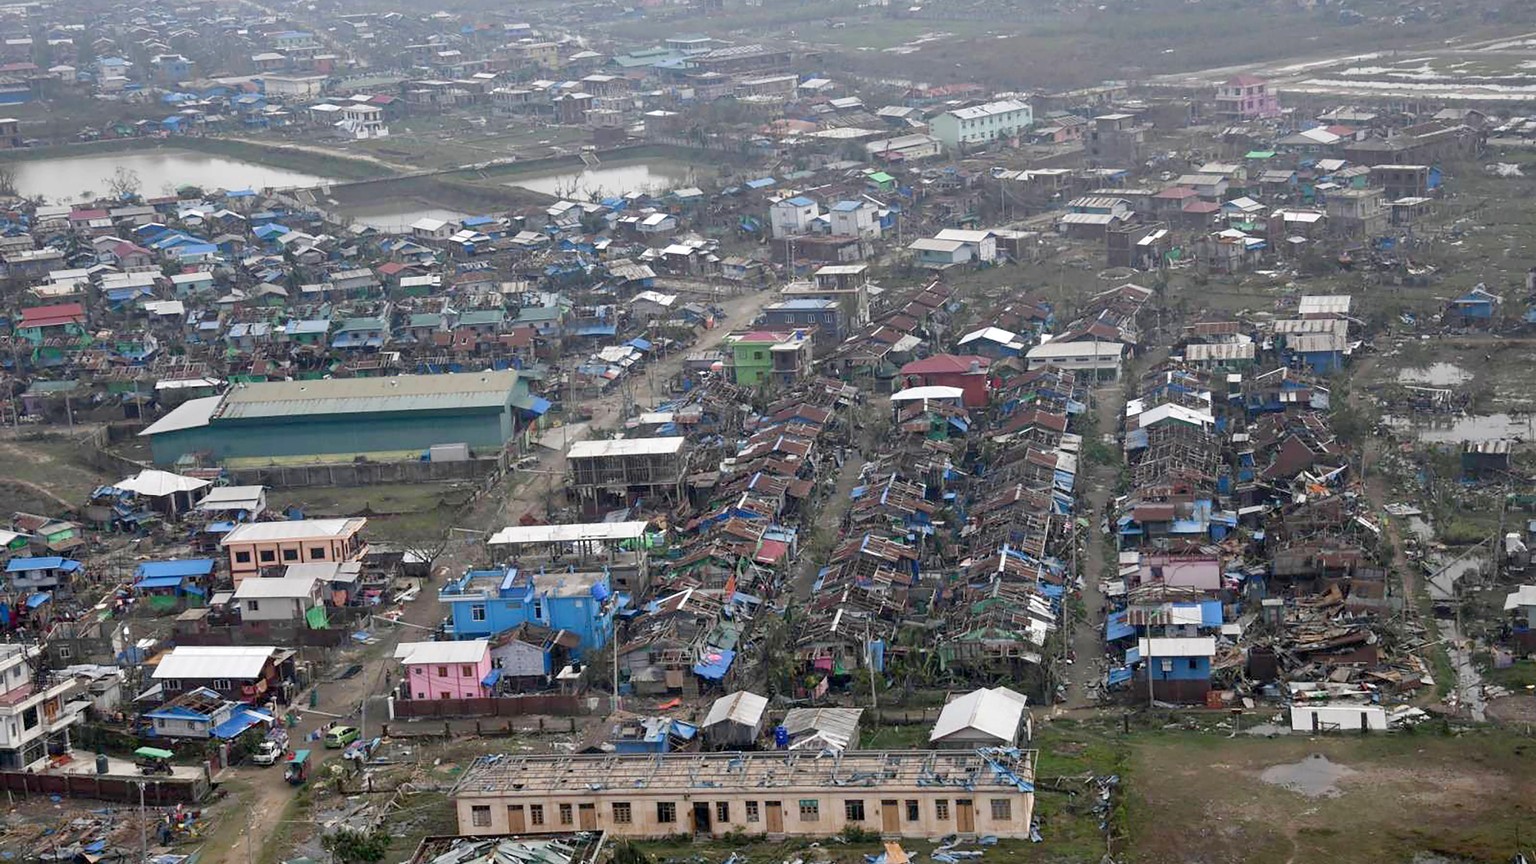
{"x": 1087, "y": 637}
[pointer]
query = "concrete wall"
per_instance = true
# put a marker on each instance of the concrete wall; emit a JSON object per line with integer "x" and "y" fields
{"x": 780, "y": 811}
{"x": 340, "y": 435}
{"x": 448, "y": 680}
{"x": 364, "y": 473}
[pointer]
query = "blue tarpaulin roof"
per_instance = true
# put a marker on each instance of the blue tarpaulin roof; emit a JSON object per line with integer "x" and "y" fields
{"x": 179, "y": 567}
{"x": 38, "y": 599}
{"x": 491, "y": 679}
{"x": 152, "y": 582}
{"x": 1116, "y": 628}
{"x": 240, "y": 720}
{"x": 715, "y": 664}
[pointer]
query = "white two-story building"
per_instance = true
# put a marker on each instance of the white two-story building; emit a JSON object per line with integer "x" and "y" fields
{"x": 35, "y": 712}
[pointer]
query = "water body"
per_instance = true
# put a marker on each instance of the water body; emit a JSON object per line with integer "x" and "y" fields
{"x": 398, "y": 216}
{"x": 1475, "y": 428}
{"x": 1314, "y": 776}
{"x": 62, "y": 179}
{"x": 609, "y": 180}
{"x": 1435, "y": 375}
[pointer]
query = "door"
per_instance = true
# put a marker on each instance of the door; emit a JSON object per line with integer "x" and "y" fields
{"x": 965, "y": 816}
{"x": 517, "y": 823}
{"x": 587, "y": 815}
{"x": 775, "y": 816}
{"x": 890, "y": 816}
{"x": 701, "y": 817}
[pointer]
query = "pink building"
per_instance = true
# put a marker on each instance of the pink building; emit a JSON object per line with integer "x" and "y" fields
{"x": 446, "y": 670}
{"x": 254, "y": 546}
{"x": 1246, "y": 97}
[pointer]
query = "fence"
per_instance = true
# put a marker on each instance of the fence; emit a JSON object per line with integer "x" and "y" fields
{"x": 158, "y": 791}
{"x": 504, "y": 706}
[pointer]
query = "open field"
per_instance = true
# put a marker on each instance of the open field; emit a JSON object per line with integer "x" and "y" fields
{"x": 43, "y": 472}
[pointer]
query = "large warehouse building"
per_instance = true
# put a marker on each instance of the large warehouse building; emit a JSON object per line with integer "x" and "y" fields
{"x": 346, "y": 417}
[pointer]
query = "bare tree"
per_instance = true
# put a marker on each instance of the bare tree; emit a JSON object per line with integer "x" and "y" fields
{"x": 124, "y": 183}
{"x": 7, "y": 180}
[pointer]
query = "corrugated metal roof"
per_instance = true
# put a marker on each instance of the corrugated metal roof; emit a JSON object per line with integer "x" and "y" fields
{"x": 204, "y": 662}
{"x": 481, "y": 390}
{"x": 446, "y": 653}
{"x": 626, "y": 447}
{"x": 995, "y": 711}
{"x": 739, "y": 707}
{"x": 300, "y": 529}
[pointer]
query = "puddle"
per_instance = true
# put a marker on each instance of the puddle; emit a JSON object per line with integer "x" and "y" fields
{"x": 1446, "y": 570}
{"x": 1314, "y": 776}
{"x": 1475, "y": 428}
{"x": 1435, "y": 375}
{"x": 1265, "y": 730}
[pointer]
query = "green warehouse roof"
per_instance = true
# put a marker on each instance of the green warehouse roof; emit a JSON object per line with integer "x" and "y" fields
{"x": 333, "y": 396}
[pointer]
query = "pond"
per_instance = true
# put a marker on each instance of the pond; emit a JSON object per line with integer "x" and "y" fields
{"x": 1475, "y": 428}
{"x": 609, "y": 180}
{"x": 62, "y": 179}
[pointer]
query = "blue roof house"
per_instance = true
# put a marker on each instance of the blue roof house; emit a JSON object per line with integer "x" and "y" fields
{"x": 486, "y": 603}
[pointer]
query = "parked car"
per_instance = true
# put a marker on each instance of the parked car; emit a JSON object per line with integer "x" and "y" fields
{"x": 268, "y": 752}
{"x": 341, "y": 736}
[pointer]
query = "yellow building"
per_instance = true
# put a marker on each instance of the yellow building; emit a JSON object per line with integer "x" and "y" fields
{"x": 911, "y": 793}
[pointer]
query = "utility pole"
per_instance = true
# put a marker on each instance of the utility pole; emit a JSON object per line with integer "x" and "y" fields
{"x": 143, "y": 831}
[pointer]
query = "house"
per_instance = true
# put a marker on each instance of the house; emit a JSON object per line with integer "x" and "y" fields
{"x": 983, "y": 244}
{"x": 1323, "y": 353}
{"x": 905, "y": 149}
{"x": 250, "y": 674}
{"x": 37, "y": 323}
{"x": 1246, "y": 97}
{"x": 988, "y": 717}
{"x": 735, "y": 721}
{"x": 855, "y": 219}
{"x": 1473, "y": 309}
{"x": 49, "y": 574}
{"x": 202, "y": 714}
{"x": 446, "y": 670}
{"x": 1099, "y": 360}
{"x": 483, "y": 604}
{"x": 822, "y": 729}
{"x": 283, "y": 598}
{"x": 936, "y": 254}
{"x": 982, "y": 124}
{"x": 790, "y": 217}
{"x": 36, "y": 707}
{"x": 967, "y": 372}
{"x": 253, "y": 546}
{"x": 235, "y": 503}
{"x": 992, "y": 342}
{"x": 166, "y": 584}
{"x": 1179, "y": 667}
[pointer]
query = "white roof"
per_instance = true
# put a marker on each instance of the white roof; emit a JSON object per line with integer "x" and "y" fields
{"x": 1004, "y": 106}
{"x": 1054, "y": 349}
{"x": 996, "y": 711}
{"x": 932, "y": 391}
{"x": 928, "y": 244}
{"x": 188, "y": 415}
{"x": 656, "y": 297}
{"x": 739, "y": 707}
{"x": 446, "y": 653}
{"x": 1525, "y": 595}
{"x": 165, "y": 307}
{"x": 427, "y": 223}
{"x": 994, "y": 334}
{"x": 156, "y": 484}
{"x": 963, "y": 235}
{"x": 299, "y": 529}
{"x": 232, "y": 498}
{"x": 1174, "y": 411}
{"x": 1324, "y": 304}
{"x": 626, "y": 447}
{"x": 201, "y": 662}
{"x": 1186, "y": 646}
{"x": 523, "y": 534}
{"x": 275, "y": 588}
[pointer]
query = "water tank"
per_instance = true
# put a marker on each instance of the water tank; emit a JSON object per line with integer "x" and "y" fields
{"x": 103, "y": 766}
{"x": 781, "y": 737}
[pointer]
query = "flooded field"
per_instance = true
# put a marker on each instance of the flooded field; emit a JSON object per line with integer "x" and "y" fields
{"x": 1314, "y": 776}
{"x": 1435, "y": 375}
{"x": 1450, "y": 429}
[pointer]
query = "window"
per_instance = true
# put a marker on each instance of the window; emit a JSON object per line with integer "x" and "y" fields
{"x": 171, "y": 684}
{"x": 621, "y": 813}
{"x": 252, "y": 605}
{"x": 480, "y": 816}
{"x": 64, "y": 653}
{"x": 853, "y": 811}
{"x": 242, "y": 557}
{"x": 317, "y": 553}
{"x": 466, "y": 671}
{"x": 1002, "y": 809}
{"x": 477, "y": 612}
{"x": 222, "y": 684}
{"x": 442, "y": 671}
{"x": 1192, "y": 663}
{"x": 666, "y": 812}
{"x": 941, "y": 809}
{"x": 752, "y": 814}
{"x": 536, "y": 813}
{"x": 267, "y": 556}
{"x": 722, "y": 811}
{"x": 538, "y": 610}
{"x": 418, "y": 671}
{"x": 444, "y": 695}
{"x": 565, "y": 814}
{"x": 810, "y": 810}
{"x": 912, "y": 812}
{"x": 290, "y": 554}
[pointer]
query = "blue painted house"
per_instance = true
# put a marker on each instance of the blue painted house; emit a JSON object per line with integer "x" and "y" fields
{"x": 1180, "y": 667}
{"x": 486, "y": 603}
{"x": 1473, "y": 309}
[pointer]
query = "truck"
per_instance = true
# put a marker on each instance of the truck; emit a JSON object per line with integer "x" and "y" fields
{"x": 268, "y": 752}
